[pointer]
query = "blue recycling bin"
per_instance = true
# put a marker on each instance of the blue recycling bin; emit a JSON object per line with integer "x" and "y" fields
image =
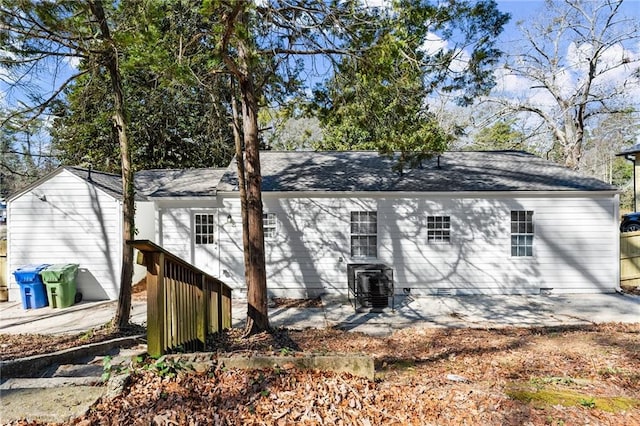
{"x": 33, "y": 293}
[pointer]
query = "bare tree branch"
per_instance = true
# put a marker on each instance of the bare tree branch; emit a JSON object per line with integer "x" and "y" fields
{"x": 41, "y": 107}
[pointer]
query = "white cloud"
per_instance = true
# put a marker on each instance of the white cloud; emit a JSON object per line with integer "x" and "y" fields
{"x": 434, "y": 44}
{"x": 5, "y": 75}
{"x": 376, "y": 3}
{"x": 460, "y": 62}
{"x": 521, "y": 89}
{"x": 73, "y": 62}
{"x": 572, "y": 73}
{"x": 577, "y": 57}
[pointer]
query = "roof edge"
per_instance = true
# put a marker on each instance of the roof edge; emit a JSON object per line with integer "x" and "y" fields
{"x": 36, "y": 183}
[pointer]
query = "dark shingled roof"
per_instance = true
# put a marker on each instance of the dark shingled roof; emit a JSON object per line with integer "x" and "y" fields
{"x": 108, "y": 182}
{"x": 472, "y": 171}
{"x": 157, "y": 183}
{"x": 179, "y": 182}
{"x": 630, "y": 150}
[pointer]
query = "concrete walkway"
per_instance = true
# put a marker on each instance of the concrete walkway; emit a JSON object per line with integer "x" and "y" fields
{"x": 461, "y": 311}
{"x": 75, "y": 319}
{"x": 489, "y": 311}
{"x": 432, "y": 311}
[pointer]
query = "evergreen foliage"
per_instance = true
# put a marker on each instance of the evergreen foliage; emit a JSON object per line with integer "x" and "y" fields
{"x": 178, "y": 111}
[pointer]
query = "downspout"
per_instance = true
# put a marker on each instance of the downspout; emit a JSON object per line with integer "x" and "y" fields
{"x": 116, "y": 273}
{"x": 160, "y": 229}
{"x": 636, "y": 183}
{"x": 616, "y": 232}
{"x": 636, "y": 176}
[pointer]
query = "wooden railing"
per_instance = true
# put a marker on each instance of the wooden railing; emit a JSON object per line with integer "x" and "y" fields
{"x": 630, "y": 259}
{"x": 184, "y": 304}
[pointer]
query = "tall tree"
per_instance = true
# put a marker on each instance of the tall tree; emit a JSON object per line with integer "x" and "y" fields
{"x": 109, "y": 57}
{"x": 379, "y": 99}
{"x": 575, "y": 61}
{"x": 500, "y": 135}
{"x": 178, "y": 110}
{"x": 262, "y": 45}
{"x": 283, "y": 129}
{"x": 612, "y": 134}
{"x": 238, "y": 52}
{"x": 38, "y": 33}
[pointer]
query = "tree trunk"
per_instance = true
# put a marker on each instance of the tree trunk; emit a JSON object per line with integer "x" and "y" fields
{"x": 573, "y": 140}
{"x": 123, "y": 312}
{"x": 242, "y": 184}
{"x": 256, "y": 275}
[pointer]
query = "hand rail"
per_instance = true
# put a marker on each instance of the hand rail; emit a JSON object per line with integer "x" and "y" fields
{"x": 184, "y": 304}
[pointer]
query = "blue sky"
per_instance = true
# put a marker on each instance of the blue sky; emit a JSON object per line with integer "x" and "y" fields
{"x": 521, "y": 10}
{"x": 571, "y": 70}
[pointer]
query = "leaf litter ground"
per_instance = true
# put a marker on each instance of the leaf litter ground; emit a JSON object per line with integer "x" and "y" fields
{"x": 425, "y": 376}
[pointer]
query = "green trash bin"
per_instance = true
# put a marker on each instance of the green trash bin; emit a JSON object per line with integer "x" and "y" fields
{"x": 60, "y": 280}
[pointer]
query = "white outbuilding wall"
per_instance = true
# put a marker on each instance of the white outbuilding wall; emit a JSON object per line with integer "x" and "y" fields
{"x": 65, "y": 219}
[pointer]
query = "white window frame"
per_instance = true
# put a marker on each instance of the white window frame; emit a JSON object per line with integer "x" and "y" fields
{"x": 270, "y": 225}
{"x": 439, "y": 229}
{"x": 364, "y": 229}
{"x": 522, "y": 233}
{"x": 204, "y": 233}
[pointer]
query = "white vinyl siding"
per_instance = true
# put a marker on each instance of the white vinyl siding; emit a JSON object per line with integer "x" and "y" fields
{"x": 176, "y": 231}
{"x": 312, "y": 248}
{"x": 75, "y": 223}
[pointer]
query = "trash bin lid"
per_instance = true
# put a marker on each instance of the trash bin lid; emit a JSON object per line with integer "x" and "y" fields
{"x": 29, "y": 273}
{"x": 58, "y": 272}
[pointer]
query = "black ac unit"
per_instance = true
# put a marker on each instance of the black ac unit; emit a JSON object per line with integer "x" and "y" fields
{"x": 370, "y": 284}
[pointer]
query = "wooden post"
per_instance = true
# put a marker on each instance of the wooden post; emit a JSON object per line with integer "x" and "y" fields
{"x": 201, "y": 312}
{"x": 226, "y": 307}
{"x": 220, "y": 309}
{"x": 155, "y": 304}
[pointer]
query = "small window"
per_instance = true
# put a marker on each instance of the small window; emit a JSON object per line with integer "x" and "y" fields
{"x": 364, "y": 234}
{"x": 521, "y": 233}
{"x": 205, "y": 229}
{"x": 438, "y": 229}
{"x": 270, "y": 225}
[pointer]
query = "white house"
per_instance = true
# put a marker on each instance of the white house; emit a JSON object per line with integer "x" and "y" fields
{"x": 501, "y": 222}
{"x": 463, "y": 223}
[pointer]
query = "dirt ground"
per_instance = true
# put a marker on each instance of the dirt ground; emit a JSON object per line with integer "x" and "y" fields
{"x": 511, "y": 376}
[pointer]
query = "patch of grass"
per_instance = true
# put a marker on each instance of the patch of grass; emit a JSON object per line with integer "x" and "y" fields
{"x": 588, "y": 403}
{"x": 167, "y": 367}
{"x": 542, "y": 397}
{"x": 88, "y": 335}
{"x": 555, "y": 422}
{"x": 540, "y": 382}
{"x": 286, "y": 351}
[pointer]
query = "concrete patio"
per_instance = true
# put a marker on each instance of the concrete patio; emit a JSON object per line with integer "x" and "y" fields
{"x": 432, "y": 311}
